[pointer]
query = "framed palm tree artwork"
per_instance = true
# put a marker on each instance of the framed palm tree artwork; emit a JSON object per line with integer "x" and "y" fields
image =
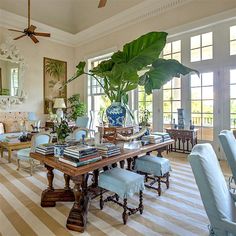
{"x": 55, "y": 75}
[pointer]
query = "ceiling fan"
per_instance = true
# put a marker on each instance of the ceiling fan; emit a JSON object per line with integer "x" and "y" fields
{"x": 102, "y": 3}
{"x": 30, "y": 30}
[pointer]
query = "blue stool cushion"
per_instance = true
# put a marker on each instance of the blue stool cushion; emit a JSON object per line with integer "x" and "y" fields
{"x": 122, "y": 182}
{"x": 157, "y": 166}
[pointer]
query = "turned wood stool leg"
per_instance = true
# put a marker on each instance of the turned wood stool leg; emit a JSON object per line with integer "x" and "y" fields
{"x": 122, "y": 164}
{"x": 101, "y": 199}
{"x": 159, "y": 186}
{"x": 95, "y": 178}
{"x": 67, "y": 182}
{"x": 125, "y": 215}
{"x": 141, "y": 202}
{"x": 167, "y": 180}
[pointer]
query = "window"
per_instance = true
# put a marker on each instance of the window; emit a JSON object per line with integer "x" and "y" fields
{"x": 233, "y": 40}
{"x": 144, "y": 103}
{"x": 233, "y": 99}
{"x": 14, "y": 81}
{"x": 171, "y": 101}
{"x": 202, "y": 104}
{"x": 201, "y": 47}
{"x": 97, "y": 100}
{"x": 171, "y": 90}
{"x": 172, "y": 50}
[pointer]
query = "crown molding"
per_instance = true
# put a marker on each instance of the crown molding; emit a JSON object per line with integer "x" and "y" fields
{"x": 133, "y": 15}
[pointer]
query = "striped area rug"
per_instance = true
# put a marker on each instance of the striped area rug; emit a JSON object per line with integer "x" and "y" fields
{"x": 179, "y": 211}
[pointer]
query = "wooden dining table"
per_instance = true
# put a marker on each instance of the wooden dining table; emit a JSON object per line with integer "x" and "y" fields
{"x": 81, "y": 192}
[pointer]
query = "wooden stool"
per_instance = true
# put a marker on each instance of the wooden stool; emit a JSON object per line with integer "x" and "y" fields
{"x": 124, "y": 184}
{"x": 155, "y": 168}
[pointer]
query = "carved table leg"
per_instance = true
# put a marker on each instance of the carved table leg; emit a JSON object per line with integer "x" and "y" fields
{"x": 50, "y": 196}
{"x": 122, "y": 164}
{"x": 95, "y": 177}
{"x": 67, "y": 182}
{"x": 129, "y": 161}
{"x": 77, "y": 218}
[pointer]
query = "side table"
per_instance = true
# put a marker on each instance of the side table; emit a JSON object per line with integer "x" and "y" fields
{"x": 183, "y": 138}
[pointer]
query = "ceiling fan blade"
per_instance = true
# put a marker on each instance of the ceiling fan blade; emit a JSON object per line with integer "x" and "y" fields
{"x": 102, "y": 3}
{"x": 42, "y": 34}
{"x": 16, "y": 30}
{"x": 23, "y": 35}
{"x": 34, "y": 38}
{"x": 31, "y": 29}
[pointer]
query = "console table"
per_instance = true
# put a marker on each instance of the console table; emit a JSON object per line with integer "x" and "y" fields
{"x": 82, "y": 193}
{"x": 183, "y": 138}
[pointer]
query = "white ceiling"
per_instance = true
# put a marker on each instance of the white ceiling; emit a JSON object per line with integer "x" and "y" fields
{"x": 71, "y": 16}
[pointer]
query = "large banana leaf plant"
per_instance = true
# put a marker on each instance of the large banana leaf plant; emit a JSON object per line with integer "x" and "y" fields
{"x": 120, "y": 74}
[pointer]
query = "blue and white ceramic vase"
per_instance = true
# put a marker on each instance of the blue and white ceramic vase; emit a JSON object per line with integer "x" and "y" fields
{"x": 116, "y": 114}
{"x": 180, "y": 118}
{"x": 59, "y": 150}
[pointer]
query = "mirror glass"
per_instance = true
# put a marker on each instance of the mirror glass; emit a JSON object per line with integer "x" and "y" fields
{"x": 9, "y": 77}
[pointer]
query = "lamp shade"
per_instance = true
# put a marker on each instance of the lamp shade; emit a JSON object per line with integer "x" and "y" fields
{"x": 59, "y": 103}
{"x": 32, "y": 116}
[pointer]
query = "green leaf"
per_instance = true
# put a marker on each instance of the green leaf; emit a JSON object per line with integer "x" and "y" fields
{"x": 80, "y": 71}
{"x": 144, "y": 50}
{"x": 103, "y": 69}
{"x": 161, "y": 72}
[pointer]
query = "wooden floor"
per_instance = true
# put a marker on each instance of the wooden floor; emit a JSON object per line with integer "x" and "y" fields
{"x": 179, "y": 211}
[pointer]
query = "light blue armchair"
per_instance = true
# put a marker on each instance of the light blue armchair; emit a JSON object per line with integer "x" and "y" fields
{"x": 228, "y": 144}
{"x": 24, "y": 154}
{"x": 82, "y": 121}
{"x": 218, "y": 201}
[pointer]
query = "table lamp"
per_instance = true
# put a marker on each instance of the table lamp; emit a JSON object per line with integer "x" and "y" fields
{"x": 59, "y": 103}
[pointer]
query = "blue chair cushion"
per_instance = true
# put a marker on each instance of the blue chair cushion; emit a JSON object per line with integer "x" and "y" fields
{"x": 157, "y": 166}
{"x": 24, "y": 153}
{"x": 122, "y": 182}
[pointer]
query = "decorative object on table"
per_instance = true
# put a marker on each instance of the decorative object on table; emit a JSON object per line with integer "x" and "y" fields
{"x": 36, "y": 122}
{"x": 59, "y": 103}
{"x": 120, "y": 73}
{"x": 116, "y": 114}
{"x": 55, "y": 75}
{"x": 108, "y": 149}
{"x": 45, "y": 149}
{"x": 164, "y": 136}
{"x": 174, "y": 125}
{"x": 158, "y": 167}
{"x": 76, "y": 108}
{"x": 63, "y": 130}
{"x": 132, "y": 136}
{"x": 132, "y": 145}
{"x": 191, "y": 125}
{"x": 80, "y": 155}
{"x": 152, "y": 138}
{"x": 180, "y": 118}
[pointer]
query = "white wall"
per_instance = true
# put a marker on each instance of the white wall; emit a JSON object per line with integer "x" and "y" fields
{"x": 33, "y": 77}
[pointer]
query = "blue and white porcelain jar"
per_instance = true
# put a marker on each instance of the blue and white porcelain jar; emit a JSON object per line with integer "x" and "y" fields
{"x": 59, "y": 150}
{"x": 116, "y": 114}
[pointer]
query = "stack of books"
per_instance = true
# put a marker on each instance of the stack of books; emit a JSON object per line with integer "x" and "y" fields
{"x": 80, "y": 155}
{"x": 108, "y": 149}
{"x": 164, "y": 136}
{"x": 45, "y": 149}
{"x": 152, "y": 139}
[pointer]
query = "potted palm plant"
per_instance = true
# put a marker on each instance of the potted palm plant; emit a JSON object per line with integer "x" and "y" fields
{"x": 121, "y": 73}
